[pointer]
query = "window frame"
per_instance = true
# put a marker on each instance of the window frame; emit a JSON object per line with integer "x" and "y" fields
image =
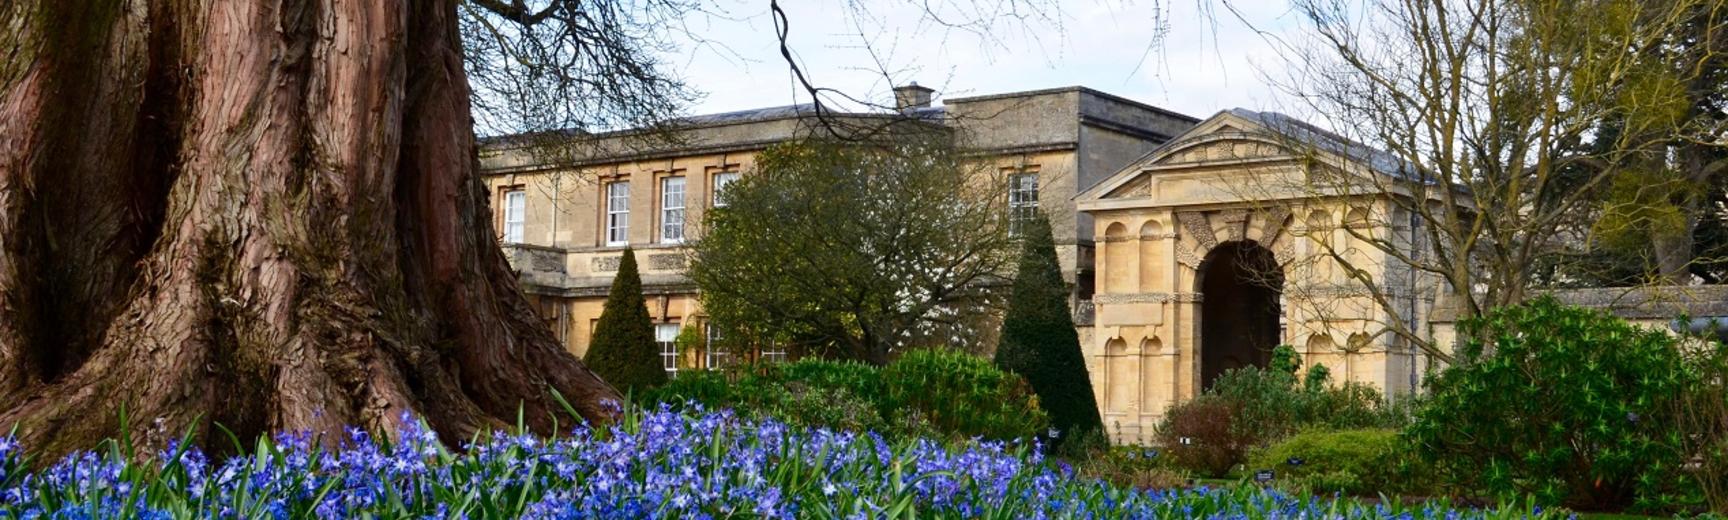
{"x": 617, "y": 224}
{"x": 713, "y": 358}
{"x": 718, "y": 186}
{"x": 673, "y": 218}
{"x": 774, "y": 353}
{"x": 521, "y": 212}
{"x": 1022, "y": 201}
{"x": 668, "y": 347}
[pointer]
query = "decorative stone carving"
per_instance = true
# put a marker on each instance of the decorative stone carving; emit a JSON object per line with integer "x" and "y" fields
{"x": 1149, "y": 297}
{"x": 1197, "y": 226}
{"x": 1187, "y": 297}
{"x": 1236, "y": 221}
{"x": 605, "y": 264}
{"x": 1275, "y": 219}
{"x": 1187, "y": 257}
{"x": 1284, "y": 254}
{"x": 666, "y": 261}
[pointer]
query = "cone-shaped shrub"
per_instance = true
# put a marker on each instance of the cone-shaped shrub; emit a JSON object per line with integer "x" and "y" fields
{"x": 1039, "y": 341}
{"x": 623, "y": 351}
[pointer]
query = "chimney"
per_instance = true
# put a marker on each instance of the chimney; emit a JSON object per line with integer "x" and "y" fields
{"x": 911, "y": 97}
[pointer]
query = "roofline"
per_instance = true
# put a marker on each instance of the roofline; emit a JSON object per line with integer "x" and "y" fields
{"x": 1074, "y": 88}
{"x": 497, "y": 142}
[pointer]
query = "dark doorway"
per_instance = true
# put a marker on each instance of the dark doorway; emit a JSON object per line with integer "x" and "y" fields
{"x": 1239, "y": 286}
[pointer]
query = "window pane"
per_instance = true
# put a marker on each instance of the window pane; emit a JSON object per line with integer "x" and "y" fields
{"x": 721, "y": 180}
{"x": 717, "y": 355}
{"x": 666, "y": 335}
{"x": 672, "y": 210}
{"x": 515, "y": 208}
{"x": 617, "y": 213}
{"x": 1022, "y": 201}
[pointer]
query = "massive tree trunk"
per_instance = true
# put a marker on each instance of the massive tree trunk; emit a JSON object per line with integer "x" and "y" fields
{"x": 259, "y": 213}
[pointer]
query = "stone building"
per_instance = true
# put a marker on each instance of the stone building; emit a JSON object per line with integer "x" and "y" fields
{"x": 564, "y": 221}
{"x": 1233, "y": 238}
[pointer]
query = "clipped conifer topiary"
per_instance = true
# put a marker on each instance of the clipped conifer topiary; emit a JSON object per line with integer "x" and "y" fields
{"x": 1039, "y": 341}
{"x": 623, "y": 351}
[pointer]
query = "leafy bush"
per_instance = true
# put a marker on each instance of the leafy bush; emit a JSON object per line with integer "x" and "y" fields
{"x": 1703, "y": 417}
{"x": 928, "y": 392}
{"x": 1356, "y": 462}
{"x": 1570, "y": 405}
{"x": 962, "y": 394}
{"x": 1131, "y": 466}
{"x": 1262, "y": 405}
{"x": 1274, "y": 404}
{"x": 623, "y": 351}
{"x": 1201, "y": 435}
{"x": 862, "y": 380}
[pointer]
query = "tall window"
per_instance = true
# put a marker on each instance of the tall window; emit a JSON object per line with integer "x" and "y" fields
{"x": 515, "y": 209}
{"x": 618, "y": 213}
{"x": 672, "y": 210}
{"x": 718, "y": 357}
{"x": 1022, "y": 201}
{"x": 666, "y": 335}
{"x": 721, "y": 180}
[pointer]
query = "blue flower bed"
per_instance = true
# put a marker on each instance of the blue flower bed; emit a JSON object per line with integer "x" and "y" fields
{"x": 661, "y": 464}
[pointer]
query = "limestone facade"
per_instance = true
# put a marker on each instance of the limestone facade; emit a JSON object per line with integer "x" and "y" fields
{"x": 1235, "y": 188}
{"x": 557, "y": 214}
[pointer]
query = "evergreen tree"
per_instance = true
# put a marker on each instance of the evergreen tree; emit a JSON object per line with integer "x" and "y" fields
{"x": 623, "y": 351}
{"x": 1039, "y": 341}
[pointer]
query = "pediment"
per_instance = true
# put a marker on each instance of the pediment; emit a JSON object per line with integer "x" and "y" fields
{"x": 1239, "y": 136}
{"x": 1239, "y": 148}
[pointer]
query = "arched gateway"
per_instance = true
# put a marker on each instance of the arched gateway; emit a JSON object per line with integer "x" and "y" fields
{"x": 1235, "y": 254}
{"x": 1240, "y": 283}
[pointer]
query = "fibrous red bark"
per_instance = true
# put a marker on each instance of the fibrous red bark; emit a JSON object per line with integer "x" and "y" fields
{"x": 258, "y": 213}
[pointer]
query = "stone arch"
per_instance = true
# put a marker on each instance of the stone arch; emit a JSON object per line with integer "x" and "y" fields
{"x": 1241, "y": 286}
{"x": 1152, "y": 345}
{"x": 1318, "y": 221}
{"x": 1119, "y": 392}
{"x": 1152, "y": 264}
{"x": 1358, "y": 342}
{"x": 1118, "y": 261}
{"x": 1357, "y": 217}
{"x": 1321, "y": 343}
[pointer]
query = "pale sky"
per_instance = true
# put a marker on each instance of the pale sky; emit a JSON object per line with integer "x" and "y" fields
{"x": 1204, "y": 64}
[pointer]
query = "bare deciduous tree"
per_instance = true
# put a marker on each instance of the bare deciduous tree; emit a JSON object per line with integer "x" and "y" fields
{"x": 1478, "y": 109}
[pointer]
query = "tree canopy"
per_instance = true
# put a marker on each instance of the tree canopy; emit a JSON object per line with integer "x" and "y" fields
{"x": 858, "y": 249}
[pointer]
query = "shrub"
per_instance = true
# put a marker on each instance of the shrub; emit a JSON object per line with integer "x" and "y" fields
{"x": 1131, "y": 466}
{"x": 623, "y": 351}
{"x": 1201, "y": 435}
{"x": 924, "y": 393}
{"x": 1356, "y": 462}
{"x": 1570, "y": 405}
{"x": 961, "y": 394}
{"x": 1039, "y": 341}
{"x": 862, "y": 380}
{"x": 1273, "y": 404}
{"x": 712, "y": 388}
{"x": 1703, "y": 418}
